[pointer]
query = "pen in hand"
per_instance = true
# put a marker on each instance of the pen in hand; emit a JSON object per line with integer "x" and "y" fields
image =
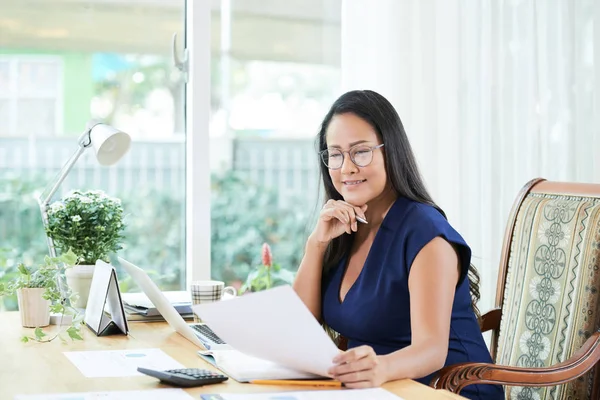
{"x": 360, "y": 219}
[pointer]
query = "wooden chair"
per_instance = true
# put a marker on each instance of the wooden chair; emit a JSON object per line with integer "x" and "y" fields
{"x": 545, "y": 339}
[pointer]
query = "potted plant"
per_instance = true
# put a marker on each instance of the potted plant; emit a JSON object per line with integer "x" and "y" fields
{"x": 6, "y": 274}
{"x": 39, "y": 293}
{"x": 267, "y": 275}
{"x": 91, "y": 224}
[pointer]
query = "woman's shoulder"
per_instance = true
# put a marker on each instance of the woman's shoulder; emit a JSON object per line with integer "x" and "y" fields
{"x": 426, "y": 212}
{"x": 410, "y": 214}
{"x": 410, "y": 217}
{"x": 414, "y": 224}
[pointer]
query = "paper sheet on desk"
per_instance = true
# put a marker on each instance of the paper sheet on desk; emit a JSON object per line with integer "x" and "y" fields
{"x": 274, "y": 325}
{"x": 117, "y": 363}
{"x": 156, "y": 394}
{"x": 245, "y": 368}
{"x": 351, "y": 394}
{"x": 141, "y": 300}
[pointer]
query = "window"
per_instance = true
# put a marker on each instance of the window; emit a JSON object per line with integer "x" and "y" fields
{"x": 64, "y": 63}
{"x": 275, "y": 73}
{"x": 30, "y": 86}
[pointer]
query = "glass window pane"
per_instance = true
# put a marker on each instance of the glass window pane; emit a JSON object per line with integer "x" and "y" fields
{"x": 36, "y": 117}
{"x": 37, "y": 78}
{"x": 4, "y": 78}
{"x": 4, "y": 123}
{"x": 275, "y": 73}
{"x": 69, "y": 63}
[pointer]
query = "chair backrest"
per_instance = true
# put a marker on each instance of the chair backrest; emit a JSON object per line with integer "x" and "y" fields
{"x": 549, "y": 284}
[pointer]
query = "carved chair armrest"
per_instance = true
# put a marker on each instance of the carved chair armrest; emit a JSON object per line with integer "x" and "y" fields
{"x": 454, "y": 378}
{"x": 340, "y": 341}
{"x": 491, "y": 320}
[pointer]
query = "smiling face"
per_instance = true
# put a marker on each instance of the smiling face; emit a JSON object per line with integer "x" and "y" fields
{"x": 357, "y": 185}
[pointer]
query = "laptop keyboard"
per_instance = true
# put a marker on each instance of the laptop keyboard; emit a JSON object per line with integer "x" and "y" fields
{"x": 205, "y": 331}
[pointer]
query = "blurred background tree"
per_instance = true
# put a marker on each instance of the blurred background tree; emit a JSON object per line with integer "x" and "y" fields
{"x": 240, "y": 228}
{"x": 153, "y": 230}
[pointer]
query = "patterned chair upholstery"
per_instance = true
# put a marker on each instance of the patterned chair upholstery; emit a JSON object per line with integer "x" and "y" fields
{"x": 545, "y": 340}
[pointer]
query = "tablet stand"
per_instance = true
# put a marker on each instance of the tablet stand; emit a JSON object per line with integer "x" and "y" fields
{"x": 104, "y": 313}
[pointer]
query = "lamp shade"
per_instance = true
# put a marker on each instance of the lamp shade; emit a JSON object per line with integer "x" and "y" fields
{"x": 109, "y": 143}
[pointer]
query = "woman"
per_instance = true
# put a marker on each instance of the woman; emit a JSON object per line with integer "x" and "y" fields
{"x": 395, "y": 284}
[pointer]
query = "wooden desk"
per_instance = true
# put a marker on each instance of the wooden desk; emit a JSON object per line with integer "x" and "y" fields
{"x": 36, "y": 368}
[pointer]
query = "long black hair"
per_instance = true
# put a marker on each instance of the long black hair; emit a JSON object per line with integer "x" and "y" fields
{"x": 400, "y": 164}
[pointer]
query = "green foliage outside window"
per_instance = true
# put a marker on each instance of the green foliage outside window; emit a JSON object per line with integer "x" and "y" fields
{"x": 243, "y": 217}
{"x": 267, "y": 275}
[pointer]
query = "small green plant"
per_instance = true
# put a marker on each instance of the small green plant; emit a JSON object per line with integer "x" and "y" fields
{"x": 267, "y": 275}
{"x": 6, "y": 274}
{"x": 47, "y": 276}
{"x": 90, "y": 223}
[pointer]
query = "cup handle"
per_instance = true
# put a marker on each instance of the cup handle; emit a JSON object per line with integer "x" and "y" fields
{"x": 230, "y": 290}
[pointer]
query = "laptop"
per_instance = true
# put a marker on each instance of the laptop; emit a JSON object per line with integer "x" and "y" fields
{"x": 199, "y": 334}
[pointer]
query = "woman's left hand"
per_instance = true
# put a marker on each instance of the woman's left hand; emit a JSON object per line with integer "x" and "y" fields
{"x": 360, "y": 367}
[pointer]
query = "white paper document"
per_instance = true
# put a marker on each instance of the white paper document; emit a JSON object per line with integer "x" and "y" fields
{"x": 244, "y": 368}
{"x": 116, "y": 363}
{"x": 156, "y": 394}
{"x": 349, "y": 394}
{"x": 141, "y": 300}
{"x": 274, "y": 325}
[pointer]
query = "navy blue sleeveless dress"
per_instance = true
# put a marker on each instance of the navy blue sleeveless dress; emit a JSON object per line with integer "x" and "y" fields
{"x": 376, "y": 309}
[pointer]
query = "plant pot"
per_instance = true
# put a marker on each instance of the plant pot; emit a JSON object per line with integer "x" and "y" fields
{"x": 34, "y": 309}
{"x": 79, "y": 279}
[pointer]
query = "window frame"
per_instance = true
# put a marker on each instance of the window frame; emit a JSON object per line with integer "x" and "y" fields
{"x": 13, "y": 96}
{"x": 197, "y": 119}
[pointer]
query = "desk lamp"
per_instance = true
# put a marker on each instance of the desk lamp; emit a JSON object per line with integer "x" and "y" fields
{"x": 110, "y": 145}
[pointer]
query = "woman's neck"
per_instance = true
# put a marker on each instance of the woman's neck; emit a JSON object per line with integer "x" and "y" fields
{"x": 379, "y": 207}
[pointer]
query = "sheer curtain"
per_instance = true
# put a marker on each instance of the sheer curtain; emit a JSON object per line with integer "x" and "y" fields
{"x": 492, "y": 93}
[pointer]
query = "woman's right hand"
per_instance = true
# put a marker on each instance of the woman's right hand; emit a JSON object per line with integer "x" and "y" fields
{"x": 336, "y": 218}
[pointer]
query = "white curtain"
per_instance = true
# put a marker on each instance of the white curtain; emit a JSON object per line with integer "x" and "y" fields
{"x": 492, "y": 93}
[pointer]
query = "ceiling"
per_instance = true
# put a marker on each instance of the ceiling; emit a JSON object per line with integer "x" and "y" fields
{"x": 306, "y": 31}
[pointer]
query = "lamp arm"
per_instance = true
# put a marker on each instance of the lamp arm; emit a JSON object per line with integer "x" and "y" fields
{"x": 84, "y": 142}
{"x": 44, "y": 200}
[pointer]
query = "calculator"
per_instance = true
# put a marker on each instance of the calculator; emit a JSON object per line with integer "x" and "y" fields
{"x": 185, "y": 377}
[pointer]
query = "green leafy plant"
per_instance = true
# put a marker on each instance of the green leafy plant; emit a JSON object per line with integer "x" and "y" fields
{"x": 240, "y": 224}
{"x": 90, "y": 223}
{"x": 267, "y": 275}
{"x": 47, "y": 276}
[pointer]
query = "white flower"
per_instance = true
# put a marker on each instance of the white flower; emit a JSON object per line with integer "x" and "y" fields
{"x": 73, "y": 193}
{"x": 76, "y": 218}
{"x": 85, "y": 200}
{"x": 56, "y": 206}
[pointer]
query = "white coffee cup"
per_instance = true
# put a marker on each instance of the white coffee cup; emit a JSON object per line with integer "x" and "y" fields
{"x": 209, "y": 291}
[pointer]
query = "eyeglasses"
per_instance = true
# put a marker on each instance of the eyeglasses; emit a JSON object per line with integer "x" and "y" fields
{"x": 361, "y": 156}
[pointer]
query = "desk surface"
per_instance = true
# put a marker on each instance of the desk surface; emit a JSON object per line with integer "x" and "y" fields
{"x": 36, "y": 368}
